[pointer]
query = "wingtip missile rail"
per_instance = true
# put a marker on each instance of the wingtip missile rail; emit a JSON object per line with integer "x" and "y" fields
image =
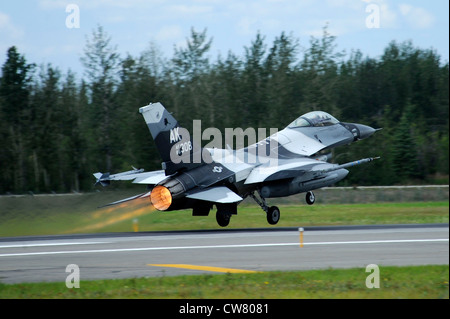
{"x": 350, "y": 164}
{"x": 104, "y": 179}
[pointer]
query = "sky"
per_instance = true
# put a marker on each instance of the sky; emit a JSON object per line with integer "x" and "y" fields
{"x": 55, "y": 31}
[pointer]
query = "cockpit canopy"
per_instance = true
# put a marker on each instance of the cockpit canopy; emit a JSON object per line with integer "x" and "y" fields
{"x": 314, "y": 119}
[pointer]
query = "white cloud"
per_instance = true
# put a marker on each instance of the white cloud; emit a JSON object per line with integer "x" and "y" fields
{"x": 115, "y": 19}
{"x": 53, "y": 4}
{"x": 99, "y": 4}
{"x": 95, "y": 4}
{"x": 395, "y": 16}
{"x": 189, "y": 10}
{"x": 351, "y": 4}
{"x": 169, "y": 32}
{"x": 8, "y": 29}
{"x": 388, "y": 16}
{"x": 4, "y": 20}
{"x": 416, "y": 17}
{"x": 405, "y": 9}
{"x": 247, "y": 26}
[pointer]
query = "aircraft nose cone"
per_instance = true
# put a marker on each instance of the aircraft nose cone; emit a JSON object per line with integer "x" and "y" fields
{"x": 365, "y": 131}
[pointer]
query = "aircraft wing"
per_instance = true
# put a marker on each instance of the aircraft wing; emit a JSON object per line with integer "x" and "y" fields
{"x": 306, "y": 168}
{"x": 285, "y": 169}
{"x": 150, "y": 178}
{"x": 219, "y": 194}
{"x": 138, "y": 176}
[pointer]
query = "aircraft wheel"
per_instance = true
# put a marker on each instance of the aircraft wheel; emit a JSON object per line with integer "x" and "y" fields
{"x": 273, "y": 215}
{"x": 310, "y": 198}
{"x": 223, "y": 218}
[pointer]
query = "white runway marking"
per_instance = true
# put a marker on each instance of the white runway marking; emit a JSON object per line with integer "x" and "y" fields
{"x": 51, "y": 244}
{"x": 223, "y": 246}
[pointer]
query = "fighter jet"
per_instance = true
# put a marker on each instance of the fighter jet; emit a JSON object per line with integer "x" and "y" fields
{"x": 287, "y": 162}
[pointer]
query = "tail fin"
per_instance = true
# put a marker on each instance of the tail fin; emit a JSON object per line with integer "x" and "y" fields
{"x": 173, "y": 142}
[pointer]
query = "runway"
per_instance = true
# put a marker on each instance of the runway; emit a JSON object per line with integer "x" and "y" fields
{"x": 151, "y": 254}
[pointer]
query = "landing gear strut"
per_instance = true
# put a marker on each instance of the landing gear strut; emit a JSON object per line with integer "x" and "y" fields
{"x": 272, "y": 213}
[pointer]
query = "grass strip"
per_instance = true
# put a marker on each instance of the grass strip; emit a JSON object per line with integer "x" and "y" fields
{"x": 411, "y": 282}
{"x": 42, "y": 216}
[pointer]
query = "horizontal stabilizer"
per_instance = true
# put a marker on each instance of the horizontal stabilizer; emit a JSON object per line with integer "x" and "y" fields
{"x": 138, "y": 176}
{"x": 220, "y": 194}
{"x": 150, "y": 178}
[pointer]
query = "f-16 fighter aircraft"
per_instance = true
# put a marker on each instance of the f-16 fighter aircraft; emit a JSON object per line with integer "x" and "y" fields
{"x": 283, "y": 164}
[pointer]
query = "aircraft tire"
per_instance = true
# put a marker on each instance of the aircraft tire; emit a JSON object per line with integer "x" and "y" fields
{"x": 223, "y": 218}
{"x": 310, "y": 198}
{"x": 273, "y": 215}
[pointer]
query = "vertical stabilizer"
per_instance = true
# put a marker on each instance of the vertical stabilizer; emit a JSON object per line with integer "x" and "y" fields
{"x": 174, "y": 143}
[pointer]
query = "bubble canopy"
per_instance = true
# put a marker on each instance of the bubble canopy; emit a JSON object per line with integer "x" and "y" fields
{"x": 314, "y": 119}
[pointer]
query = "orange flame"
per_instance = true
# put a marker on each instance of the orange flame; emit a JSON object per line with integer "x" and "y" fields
{"x": 115, "y": 214}
{"x": 161, "y": 198}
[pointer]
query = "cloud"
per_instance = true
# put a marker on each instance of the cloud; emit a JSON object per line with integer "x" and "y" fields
{"x": 247, "y": 26}
{"x": 395, "y": 16}
{"x": 53, "y": 4}
{"x": 350, "y": 4}
{"x": 169, "y": 32}
{"x": 8, "y": 29}
{"x": 388, "y": 16}
{"x": 416, "y": 17}
{"x": 184, "y": 10}
{"x": 95, "y": 4}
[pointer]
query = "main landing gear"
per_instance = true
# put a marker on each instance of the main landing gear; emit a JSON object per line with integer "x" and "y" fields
{"x": 272, "y": 213}
{"x": 222, "y": 218}
{"x": 224, "y": 212}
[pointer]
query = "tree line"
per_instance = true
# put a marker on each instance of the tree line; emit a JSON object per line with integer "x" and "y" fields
{"x": 57, "y": 129}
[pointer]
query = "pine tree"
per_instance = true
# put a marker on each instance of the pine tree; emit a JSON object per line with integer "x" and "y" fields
{"x": 404, "y": 154}
{"x": 101, "y": 62}
{"x": 14, "y": 95}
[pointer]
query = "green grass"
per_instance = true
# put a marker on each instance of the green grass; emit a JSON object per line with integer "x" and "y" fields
{"x": 395, "y": 282}
{"x": 78, "y": 214}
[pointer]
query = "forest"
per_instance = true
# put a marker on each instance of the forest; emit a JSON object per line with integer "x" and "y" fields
{"x": 57, "y": 127}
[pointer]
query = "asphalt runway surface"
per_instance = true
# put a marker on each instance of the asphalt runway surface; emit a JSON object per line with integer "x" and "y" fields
{"x": 153, "y": 254}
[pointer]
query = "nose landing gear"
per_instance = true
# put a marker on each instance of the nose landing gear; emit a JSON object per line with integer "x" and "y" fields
{"x": 310, "y": 198}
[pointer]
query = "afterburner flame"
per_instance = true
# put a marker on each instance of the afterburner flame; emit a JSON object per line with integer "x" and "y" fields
{"x": 161, "y": 198}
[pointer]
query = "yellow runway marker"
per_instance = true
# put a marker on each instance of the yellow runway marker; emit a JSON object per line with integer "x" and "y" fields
{"x": 207, "y": 268}
{"x": 301, "y": 236}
